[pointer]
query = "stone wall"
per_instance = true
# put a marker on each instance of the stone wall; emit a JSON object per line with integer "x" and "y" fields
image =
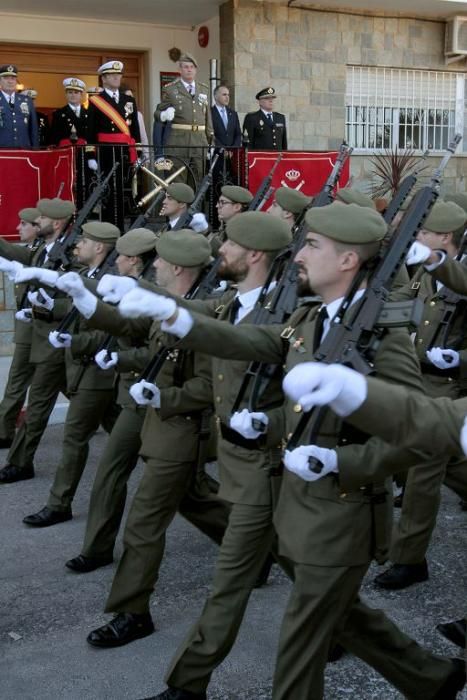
{"x": 7, "y": 315}
{"x": 304, "y": 55}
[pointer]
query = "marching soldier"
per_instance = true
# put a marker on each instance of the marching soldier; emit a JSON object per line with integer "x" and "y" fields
{"x": 265, "y": 128}
{"x": 185, "y": 108}
{"x": 49, "y": 376}
{"x": 328, "y": 535}
{"x": 18, "y": 121}
{"x": 233, "y": 200}
{"x": 91, "y": 390}
{"x": 112, "y": 123}
{"x": 21, "y": 370}
{"x": 176, "y": 201}
{"x": 288, "y": 204}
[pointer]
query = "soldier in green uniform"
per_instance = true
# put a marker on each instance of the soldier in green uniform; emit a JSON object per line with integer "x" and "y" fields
{"x": 172, "y": 447}
{"x": 136, "y": 250}
{"x": 233, "y": 200}
{"x": 443, "y": 229}
{"x": 175, "y": 204}
{"x": 21, "y": 370}
{"x": 91, "y": 389}
{"x": 49, "y": 363}
{"x": 328, "y": 535}
{"x": 186, "y": 106}
{"x": 288, "y": 204}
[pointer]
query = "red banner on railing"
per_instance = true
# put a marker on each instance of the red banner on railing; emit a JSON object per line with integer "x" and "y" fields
{"x": 302, "y": 170}
{"x": 27, "y": 176}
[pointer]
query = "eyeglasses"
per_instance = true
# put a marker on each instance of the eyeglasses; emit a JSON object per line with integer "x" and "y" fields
{"x": 223, "y": 202}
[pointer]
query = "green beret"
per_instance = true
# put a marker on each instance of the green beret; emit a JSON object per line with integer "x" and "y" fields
{"x": 257, "y": 230}
{"x": 56, "y": 208}
{"x": 136, "y": 242}
{"x": 101, "y": 231}
{"x": 184, "y": 247}
{"x": 292, "y": 200}
{"x": 181, "y": 192}
{"x": 445, "y": 217}
{"x": 459, "y": 198}
{"x": 347, "y": 223}
{"x": 30, "y": 214}
{"x": 187, "y": 58}
{"x": 349, "y": 196}
{"x": 236, "y": 194}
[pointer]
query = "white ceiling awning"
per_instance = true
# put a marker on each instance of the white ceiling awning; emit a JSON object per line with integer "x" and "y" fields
{"x": 423, "y": 8}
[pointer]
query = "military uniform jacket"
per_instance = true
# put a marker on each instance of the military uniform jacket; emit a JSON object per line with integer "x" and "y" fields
{"x": 263, "y": 136}
{"x": 18, "y": 126}
{"x": 453, "y": 274}
{"x": 172, "y": 431}
{"x": 189, "y": 111}
{"x": 99, "y": 123}
{"x": 318, "y": 523}
{"x": 23, "y": 331}
{"x": 63, "y": 121}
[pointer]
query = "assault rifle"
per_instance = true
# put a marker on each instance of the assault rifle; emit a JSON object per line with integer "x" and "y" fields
{"x": 353, "y": 342}
{"x": 405, "y": 188}
{"x": 265, "y": 190}
{"x": 195, "y": 206}
{"x": 283, "y": 301}
{"x": 143, "y": 218}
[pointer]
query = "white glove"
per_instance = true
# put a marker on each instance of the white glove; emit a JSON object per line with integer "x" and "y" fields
{"x": 463, "y": 438}
{"x": 168, "y": 114}
{"x": 40, "y": 274}
{"x": 41, "y": 299}
{"x": 101, "y": 360}
{"x": 60, "y": 340}
{"x": 136, "y": 392}
{"x": 210, "y": 153}
{"x": 298, "y": 461}
{"x": 199, "y": 223}
{"x": 113, "y": 287}
{"x": 24, "y": 315}
{"x": 316, "y": 384}
{"x": 418, "y": 253}
{"x": 140, "y": 302}
{"x": 10, "y": 267}
{"x": 92, "y": 164}
{"x": 443, "y": 358}
{"x": 242, "y": 422}
{"x": 83, "y": 299}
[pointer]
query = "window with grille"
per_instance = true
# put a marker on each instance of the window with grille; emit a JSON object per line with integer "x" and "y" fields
{"x": 389, "y": 107}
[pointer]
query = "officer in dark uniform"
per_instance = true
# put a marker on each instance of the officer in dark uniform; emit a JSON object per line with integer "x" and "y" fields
{"x": 69, "y": 128}
{"x": 18, "y": 122}
{"x": 112, "y": 122}
{"x": 266, "y": 130}
{"x": 42, "y": 119}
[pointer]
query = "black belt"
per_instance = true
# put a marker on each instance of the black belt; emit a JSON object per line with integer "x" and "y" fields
{"x": 236, "y": 439}
{"x": 433, "y": 371}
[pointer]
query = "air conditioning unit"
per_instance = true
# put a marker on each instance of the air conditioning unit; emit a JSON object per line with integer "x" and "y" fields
{"x": 455, "y": 38}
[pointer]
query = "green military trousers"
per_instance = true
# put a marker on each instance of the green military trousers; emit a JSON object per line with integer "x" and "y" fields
{"x": 109, "y": 489}
{"x": 323, "y": 608}
{"x": 86, "y": 412}
{"x": 47, "y": 382}
{"x": 19, "y": 379}
{"x": 161, "y": 492}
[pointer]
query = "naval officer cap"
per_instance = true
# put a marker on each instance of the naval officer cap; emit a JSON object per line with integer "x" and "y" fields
{"x": 291, "y": 200}
{"x": 257, "y": 230}
{"x": 74, "y": 84}
{"x": 459, "y": 198}
{"x": 184, "y": 247}
{"x": 29, "y": 214}
{"x": 8, "y": 69}
{"x": 445, "y": 217}
{"x": 110, "y": 67}
{"x": 101, "y": 231}
{"x": 181, "y": 193}
{"x": 236, "y": 194}
{"x": 136, "y": 242}
{"x": 56, "y": 208}
{"x": 349, "y": 196}
{"x": 266, "y": 92}
{"x": 347, "y": 223}
{"x": 188, "y": 58}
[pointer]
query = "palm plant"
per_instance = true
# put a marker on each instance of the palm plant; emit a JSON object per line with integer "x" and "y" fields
{"x": 388, "y": 171}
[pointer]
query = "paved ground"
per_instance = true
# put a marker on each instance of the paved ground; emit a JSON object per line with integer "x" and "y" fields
{"x": 47, "y": 611}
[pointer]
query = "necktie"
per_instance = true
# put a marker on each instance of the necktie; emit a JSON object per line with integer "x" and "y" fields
{"x": 319, "y": 324}
{"x": 236, "y": 304}
{"x": 115, "y": 96}
{"x": 12, "y": 102}
{"x": 191, "y": 90}
{"x": 224, "y": 117}
{"x": 269, "y": 118}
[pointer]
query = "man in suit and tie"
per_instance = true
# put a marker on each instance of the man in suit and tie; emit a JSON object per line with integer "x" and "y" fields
{"x": 18, "y": 121}
{"x": 265, "y": 128}
{"x": 227, "y": 133}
